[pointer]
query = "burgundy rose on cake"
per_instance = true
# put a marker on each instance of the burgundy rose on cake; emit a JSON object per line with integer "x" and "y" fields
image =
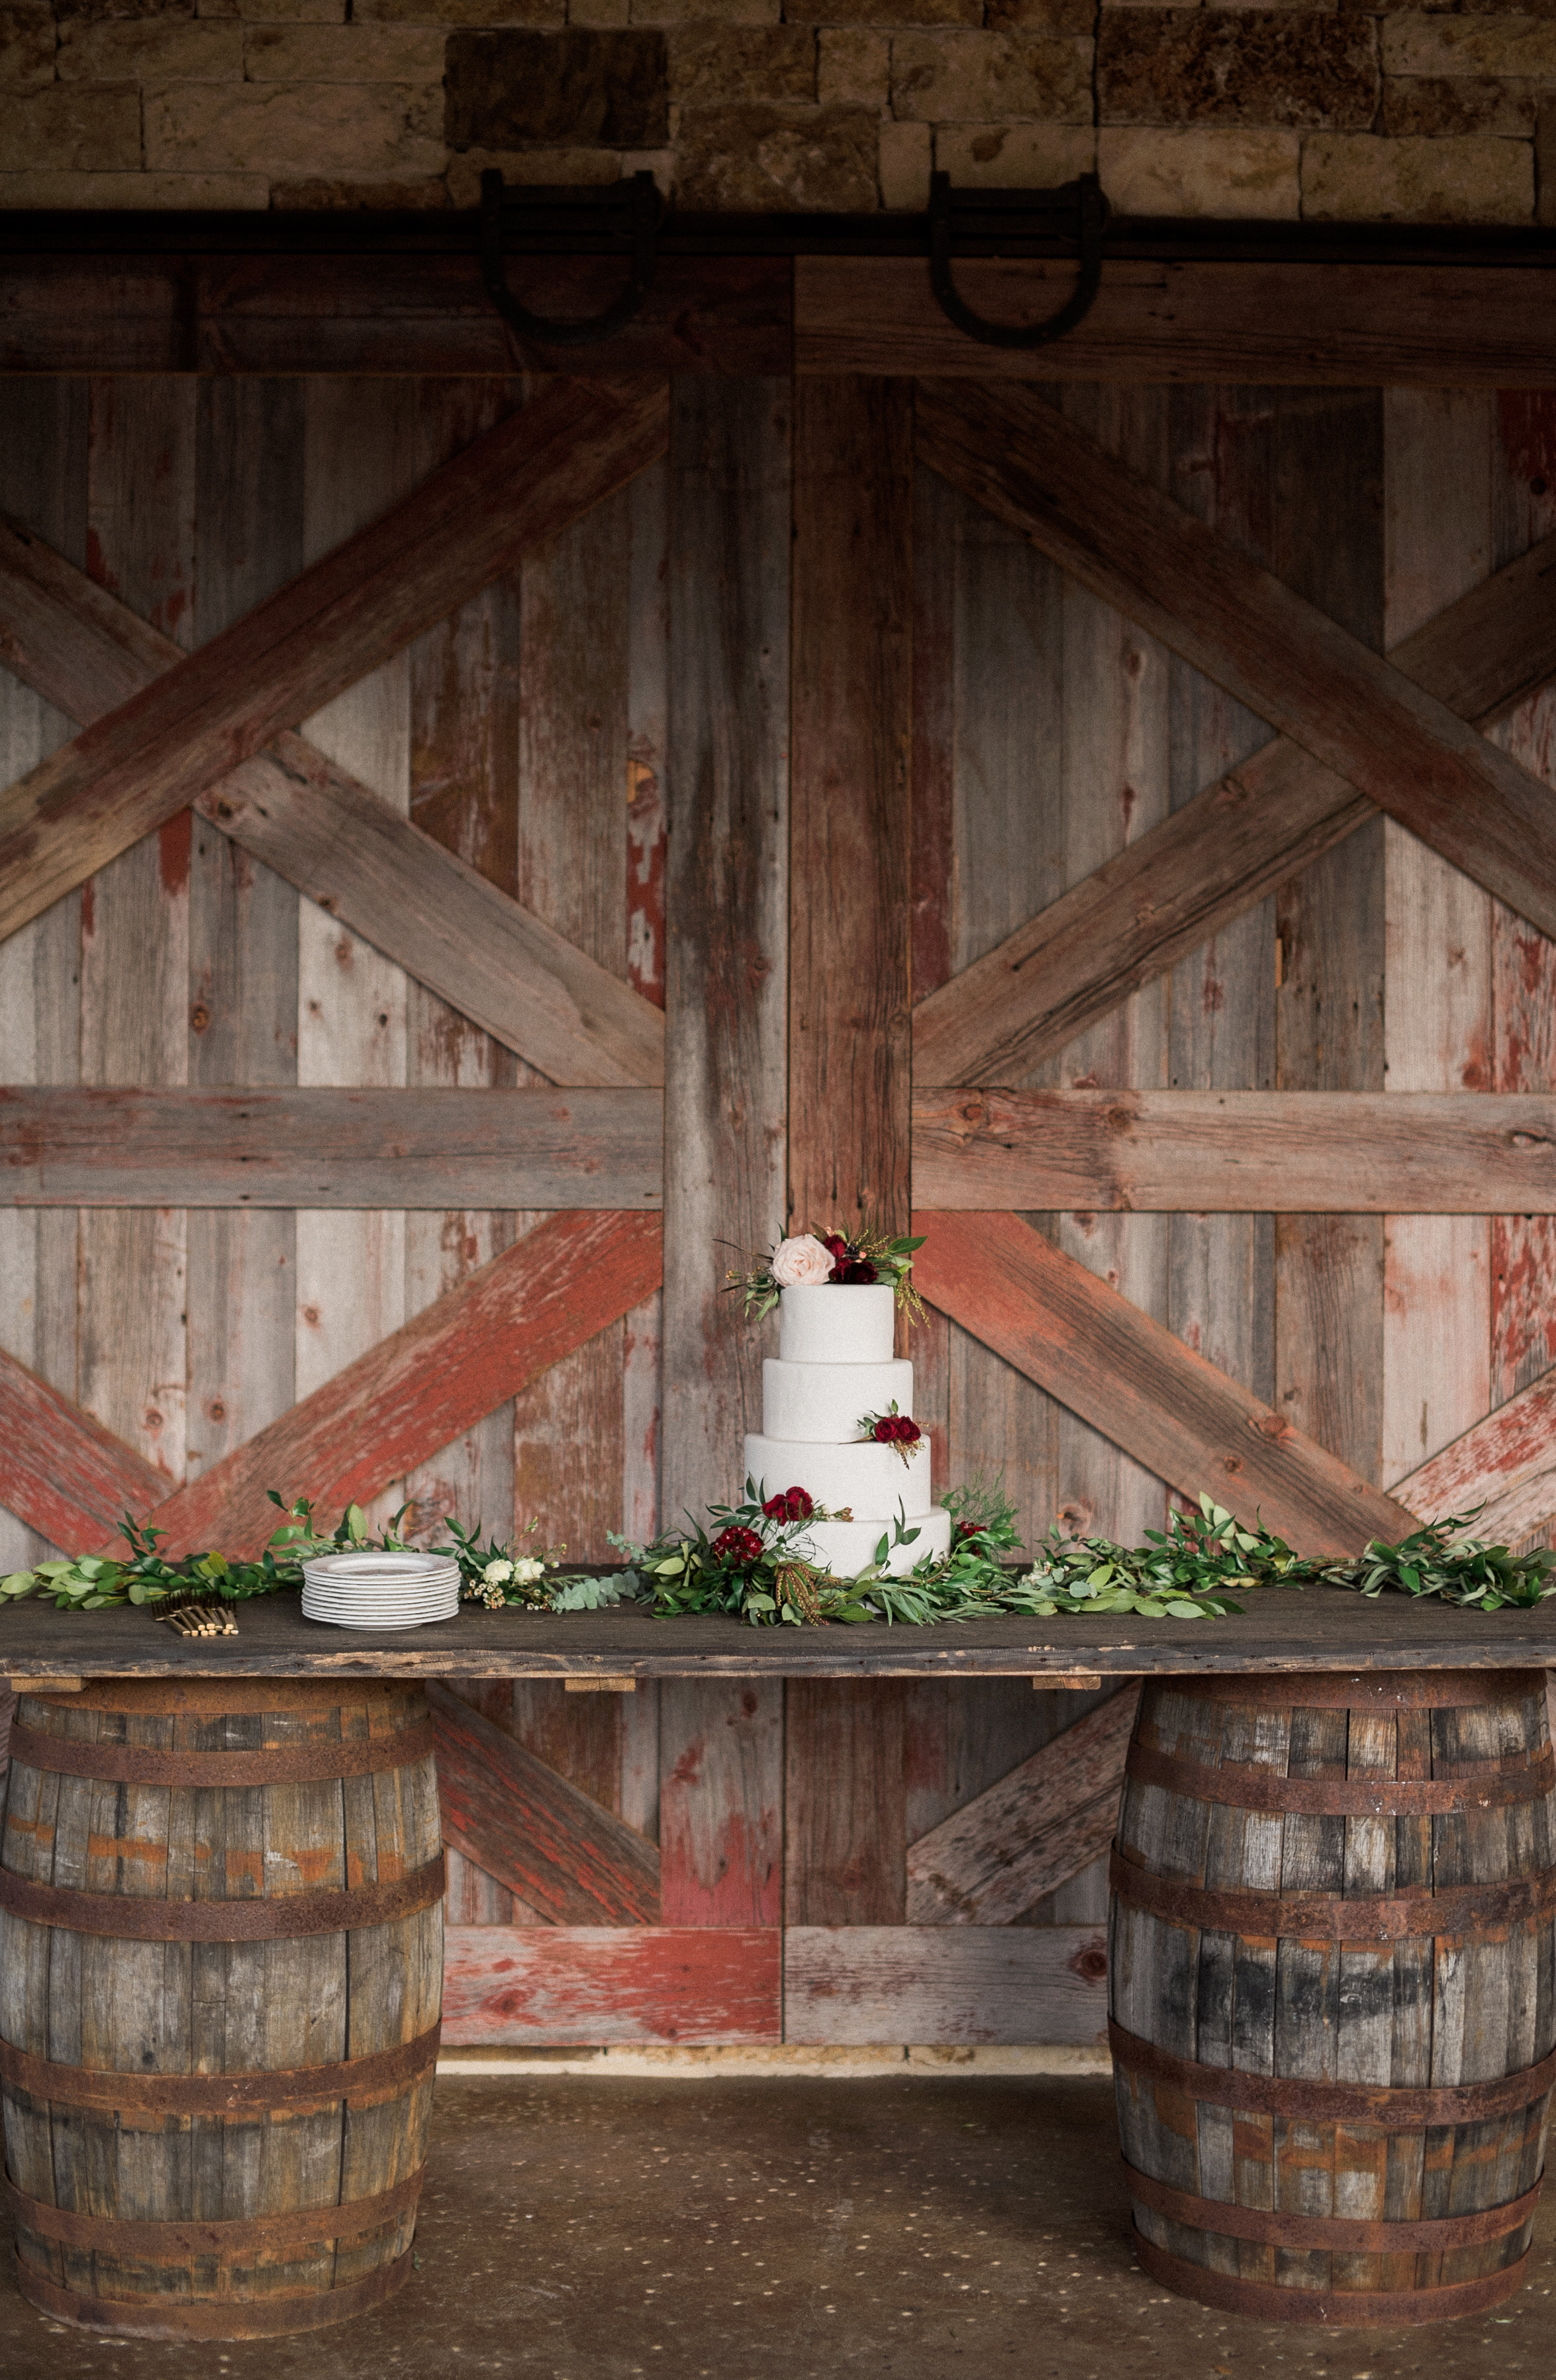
{"x": 812, "y": 1260}
{"x": 895, "y": 1429}
{"x": 792, "y": 1504}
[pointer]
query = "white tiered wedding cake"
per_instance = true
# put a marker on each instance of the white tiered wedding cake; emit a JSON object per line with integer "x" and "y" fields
{"x": 834, "y": 1366}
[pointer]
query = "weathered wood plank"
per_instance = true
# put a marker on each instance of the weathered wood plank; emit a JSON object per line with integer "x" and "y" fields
{"x": 1029, "y": 1833}
{"x": 850, "y": 843}
{"x": 575, "y": 597}
{"x": 410, "y": 1394}
{"x": 242, "y": 989}
{"x": 1436, "y": 993}
{"x": 133, "y": 1360}
{"x": 1336, "y": 322}
{"x": 1430, "y": 1152}
{"x": 944, "y": 1984}
{"x": 720, "y": 1800}
{"x": 312, "y": 821}
{"x": 1314, "y": 680}
{"x": 43, "y": 486}
{"x": 844, "y": 1804}
{"x": 1330, "y": 550}
{"x": 648, "y": 850}
{"x": 1506, "y": 1463}
{"x": 603, "y": 1985}
{"x": 380, "y": 312}
{"x": 342, "y": 617}
{"x": 331, "y": 1147}
{"x": 1131, "y": 1378}
{"x": 573, "y": 1862}
{"x": 64, "y": 1472}
{"x": 727, "y": 804}
{"x": 1223, "y": 851}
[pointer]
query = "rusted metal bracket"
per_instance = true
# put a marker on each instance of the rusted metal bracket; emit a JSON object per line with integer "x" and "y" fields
{"x": 977, "y": 217}
{"x": 627, "y": 213}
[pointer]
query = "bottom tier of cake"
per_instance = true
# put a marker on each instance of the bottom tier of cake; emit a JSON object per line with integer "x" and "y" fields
{"x": 848, "y": 1547}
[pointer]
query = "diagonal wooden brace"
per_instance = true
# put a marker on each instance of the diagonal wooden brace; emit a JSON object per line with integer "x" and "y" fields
{"x": 1386, "y": 733}
{"x": 1174, "y": 1412}
{"x": 168, "y": 729}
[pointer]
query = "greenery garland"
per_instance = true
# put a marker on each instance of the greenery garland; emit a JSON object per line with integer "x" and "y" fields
{"x": 756, "y": 1567}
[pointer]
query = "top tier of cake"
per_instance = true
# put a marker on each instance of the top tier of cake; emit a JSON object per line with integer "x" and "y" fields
{"x": 828, "y": 1325}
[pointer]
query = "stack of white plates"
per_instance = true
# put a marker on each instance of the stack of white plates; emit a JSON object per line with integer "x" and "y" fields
{"x": 380, "y": 1590}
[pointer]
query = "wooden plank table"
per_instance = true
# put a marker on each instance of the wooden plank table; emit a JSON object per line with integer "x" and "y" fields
{"x": 1281, "y": 1629}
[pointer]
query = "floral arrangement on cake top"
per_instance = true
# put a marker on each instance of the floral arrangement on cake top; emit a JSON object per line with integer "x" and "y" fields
{"x": 812, "y": 1259}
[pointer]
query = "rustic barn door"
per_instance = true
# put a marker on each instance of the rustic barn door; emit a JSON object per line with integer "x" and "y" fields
{"x": 796, "y": 713}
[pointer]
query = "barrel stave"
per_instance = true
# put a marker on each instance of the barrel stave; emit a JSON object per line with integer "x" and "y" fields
{"x": 220, "y": 2007}
{"x": 1418, "y": 2012}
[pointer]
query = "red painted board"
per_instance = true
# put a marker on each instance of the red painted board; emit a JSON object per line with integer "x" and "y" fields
{"x": 721, "y": 1800}
{"x": 550, "y": 1985}
{"x": 63, "y": 1473}
{"x": 416, "y": 1389}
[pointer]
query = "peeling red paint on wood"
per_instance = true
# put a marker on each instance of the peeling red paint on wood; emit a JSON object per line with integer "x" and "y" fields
{"x": 720, "y": 1801}
{"x": 1507, "y": 1463}
{"x": 607, "y": 1985}
{"x": 65, "y": 1474}
{"x": 416, "y": 1389}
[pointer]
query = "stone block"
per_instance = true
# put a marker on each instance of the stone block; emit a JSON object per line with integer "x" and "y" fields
{"x": 1545, "y": 167}
{"x": 710, "y": 12}
{"x": 85, "y": 128}
{"x": 1039, "y": 17}
{"x": 853, "y": 64}
{"x": 1215, "y": 172}
{"x": 990, "y": 78}
{"x": 1226, "y": 65}
{"x": 488, "y": 15}
{"x": 297, "y": 130}
{"x": 290, "y": 12}
{"x": 1363, "y": 177}
{"x": 466, "y": 167}
{"x": 138, "y": 51}
{"x": 344, "y": 53}
{"x": 545, "y": 90}
{"x": 715, "y": 66}
{"x": 344, "y": 197}
{"x": 600, "y": 16}
{"x": 1422, "y": 103}
{"x": 890, "y": 13}
{"x": 905, "y": 160}
{"x": 660, "y": 162}
{"x": 26, "y": 45}
{"x": 93, "y": 12}
{"x": 1014, "y": 156}
{"x": 78, "y": 192}
{"x": 783, "y": 159}
{"x": 1469, "y": 46}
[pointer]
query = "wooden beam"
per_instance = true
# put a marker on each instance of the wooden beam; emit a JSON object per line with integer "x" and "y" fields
{"x": 1237, "y": 1152}
{"x": 64, "y": 1147}
{"x": 600, "y": 1985}
{"x": 63, "y": 1473}
{"x": 417, "y": 1389}
{"x": 161, "y": 749}
{"x": 1357, "y": 715}
{"x": 1506, "y": 1464}
{"x": 944, "y": 1985}
{"x": 573, "y": 1862}
{"x": 1194, "y": 1427}
{"x": 423, "y": 311}
{"x": 1031, "y": 1832}
{"x": 1319, "y": 324}
{"x": 1221, "y": 853}
{"x": 327, "y": 833}
{"x": 850, "y": 843}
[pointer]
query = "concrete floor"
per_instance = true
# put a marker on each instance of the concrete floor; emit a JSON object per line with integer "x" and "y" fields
{"x": 584, "y": 2230}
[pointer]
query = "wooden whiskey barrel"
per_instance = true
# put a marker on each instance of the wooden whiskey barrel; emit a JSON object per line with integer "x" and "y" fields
{"x": 221, "y": 1969}
{"x": 1332, "y": 1969}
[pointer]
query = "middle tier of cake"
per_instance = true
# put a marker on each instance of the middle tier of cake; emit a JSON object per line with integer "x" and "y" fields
{"x": 869, "y": 1481}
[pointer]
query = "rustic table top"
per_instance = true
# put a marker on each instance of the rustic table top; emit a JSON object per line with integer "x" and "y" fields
{"x": 1282, "y": 1628}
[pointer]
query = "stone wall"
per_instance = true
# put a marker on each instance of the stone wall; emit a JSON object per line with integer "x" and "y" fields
{"x": 1371, "y": 111}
